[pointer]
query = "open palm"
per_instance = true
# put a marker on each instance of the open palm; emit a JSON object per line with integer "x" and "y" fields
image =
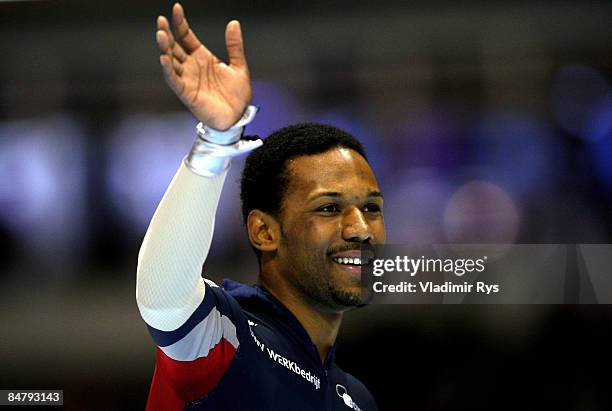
{"x": 215, "y": 92}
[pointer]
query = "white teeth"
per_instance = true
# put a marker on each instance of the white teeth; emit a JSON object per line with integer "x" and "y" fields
{"x": 348, "y": 260}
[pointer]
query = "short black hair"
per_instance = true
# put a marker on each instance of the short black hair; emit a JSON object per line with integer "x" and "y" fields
{"x": 264, "y": 178}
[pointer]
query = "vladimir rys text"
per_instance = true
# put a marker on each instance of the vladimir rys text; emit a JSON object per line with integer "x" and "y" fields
{"x": 422, "y": 265}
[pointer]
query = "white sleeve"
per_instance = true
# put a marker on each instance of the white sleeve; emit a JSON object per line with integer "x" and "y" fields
{"x": 169, "y": 286}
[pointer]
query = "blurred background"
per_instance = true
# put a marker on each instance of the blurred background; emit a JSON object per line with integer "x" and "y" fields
{"x": 484, "y": 121}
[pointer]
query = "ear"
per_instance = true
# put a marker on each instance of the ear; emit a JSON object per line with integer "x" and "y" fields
{"x": 264, "y": 231}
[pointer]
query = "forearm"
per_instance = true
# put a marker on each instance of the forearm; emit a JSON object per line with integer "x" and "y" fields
{"x": 169, "y": 286}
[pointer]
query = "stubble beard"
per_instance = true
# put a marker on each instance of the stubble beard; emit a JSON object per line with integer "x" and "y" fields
{"x": 316, "y": 282}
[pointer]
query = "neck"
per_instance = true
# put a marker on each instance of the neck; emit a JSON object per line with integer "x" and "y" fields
{"x": 322, "y": 326}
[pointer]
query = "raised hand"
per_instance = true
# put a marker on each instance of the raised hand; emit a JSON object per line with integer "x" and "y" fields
{"x": 215, "y": 92}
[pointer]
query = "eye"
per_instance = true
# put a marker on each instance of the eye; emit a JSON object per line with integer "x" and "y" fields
{"x": 329, "y": 208}
{"x": 372, "y": 208}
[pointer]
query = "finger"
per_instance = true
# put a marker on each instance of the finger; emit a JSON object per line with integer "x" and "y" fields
{"x": 179, "y": 53}
{"x": 162, "y": 23}
{"x": 184, "y": 35}
{"x": 175, "y": 83}
{"x": 235, "y": 44}
{"x": 163, "y": 42}
{"x": 178, "y": 67}
{"x": 164, "y": 26}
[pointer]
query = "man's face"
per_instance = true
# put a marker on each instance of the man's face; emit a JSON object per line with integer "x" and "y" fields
{"x": 331, "y": 207}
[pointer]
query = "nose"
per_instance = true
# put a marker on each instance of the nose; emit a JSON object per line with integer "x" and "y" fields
{"x": 355, "y": 227}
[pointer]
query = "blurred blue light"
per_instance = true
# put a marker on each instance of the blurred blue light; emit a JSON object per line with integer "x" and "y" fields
{"x": 414, "y": 207}
{"x": 602, "y": 158}
{"x": 582, "y": 102}
{"x": 42, "y": 188}
{"x": 145, "y": 151}
{"x": 519, "y": 152}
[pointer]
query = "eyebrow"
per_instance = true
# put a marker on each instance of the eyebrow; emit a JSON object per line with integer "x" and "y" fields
{"x": 337, "y": 194}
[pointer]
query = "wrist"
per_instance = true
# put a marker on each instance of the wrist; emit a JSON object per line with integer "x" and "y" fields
{"x": 232, "y": 134}
{"x": 212, "y": 149}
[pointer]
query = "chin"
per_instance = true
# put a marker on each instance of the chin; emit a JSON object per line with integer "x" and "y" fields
{"x": 348, "y": 297}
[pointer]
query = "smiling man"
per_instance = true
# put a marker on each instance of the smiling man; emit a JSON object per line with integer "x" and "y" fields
{"x": 310, "y": 201}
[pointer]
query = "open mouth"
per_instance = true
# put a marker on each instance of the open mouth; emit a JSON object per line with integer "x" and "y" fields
{"x": 351, "y": 261}
{"x": 354, "y": 258}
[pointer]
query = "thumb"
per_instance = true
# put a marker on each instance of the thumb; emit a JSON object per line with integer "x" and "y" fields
{"x": 235, "y": 44}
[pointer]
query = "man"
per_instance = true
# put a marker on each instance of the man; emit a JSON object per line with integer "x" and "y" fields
{"x": 310, "y": 200}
